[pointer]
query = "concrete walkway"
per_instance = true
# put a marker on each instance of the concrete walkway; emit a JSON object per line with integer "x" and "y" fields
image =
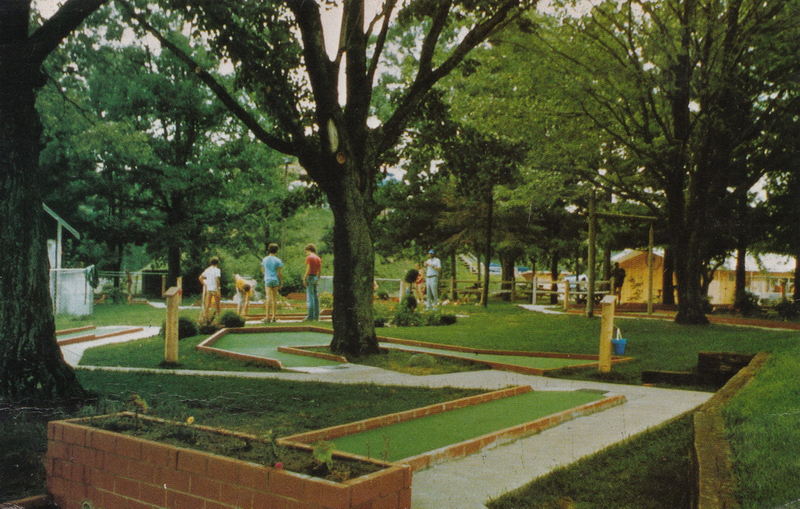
{"x": 470, "y": 482}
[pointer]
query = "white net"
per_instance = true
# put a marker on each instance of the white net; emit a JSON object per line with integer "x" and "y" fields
{"x": 71, "y": 291}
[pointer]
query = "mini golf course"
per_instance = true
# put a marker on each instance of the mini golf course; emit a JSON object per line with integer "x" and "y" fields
{"x": 411, "y": 438}
{"x": 458, "y": 428}
{"x": 288, "y": 347}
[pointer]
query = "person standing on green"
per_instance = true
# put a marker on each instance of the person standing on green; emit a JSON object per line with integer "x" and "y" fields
{"x": 273, "y": 280}
{"x": 433, "y": 266}
{"x": 310, "y": 281}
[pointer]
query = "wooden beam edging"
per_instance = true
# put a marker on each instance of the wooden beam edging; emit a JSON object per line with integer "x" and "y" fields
{"x": 511, "y": 353}
{"x": 73, "y": 331}
{"x": 712, "y": 466}
{"x": 333, "y": 432}
{"x": 302, "y": 350}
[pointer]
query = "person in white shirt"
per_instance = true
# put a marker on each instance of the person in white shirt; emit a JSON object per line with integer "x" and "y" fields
{"x": 433, "y": 266}
{"x": 211, "y": 279}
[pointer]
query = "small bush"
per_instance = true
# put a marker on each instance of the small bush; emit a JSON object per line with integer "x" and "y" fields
{"x": 186, "y": 327}
{"x": 448, "y": 319}
{"x": 747, "y": 305}
{"x": 437, "y": 318}
{"x": 383, "y": 295}
{"x": 407, "y": 318}
{"x": 208, "y": 327}
{"x": 787, "y": 309}
{"x": 231, "y": 319}
{"x": 380, "y": 322}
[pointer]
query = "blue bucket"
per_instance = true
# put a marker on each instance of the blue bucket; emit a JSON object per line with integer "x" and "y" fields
{"x": 619, "y": 345}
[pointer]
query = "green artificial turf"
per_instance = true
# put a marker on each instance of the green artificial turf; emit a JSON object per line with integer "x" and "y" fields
{"x": 149, "y": 353}
{"x": 265, "y": 344}
{"x": 514, "y": 360}
{"x": 410, "y": 438}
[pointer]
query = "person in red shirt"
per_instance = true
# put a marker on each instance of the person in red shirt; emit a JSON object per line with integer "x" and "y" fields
{"x": 310, "y": 281}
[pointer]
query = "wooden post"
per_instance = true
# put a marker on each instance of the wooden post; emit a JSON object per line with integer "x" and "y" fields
{"x": 534, "y": 282}
{"x": 606, "y": 333}
{"x": 163, "y": 284}
{"x": 173, "y": 296}
{"x": 566, "y": 294}
{"x": 591, "y": 256}
{"x": 650, "y": 271}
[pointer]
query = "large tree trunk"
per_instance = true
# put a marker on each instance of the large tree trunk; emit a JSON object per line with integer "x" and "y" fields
{"x": 31, "y": 365}
{"x": 740, "y": 293}
{"x": 668, "y": 284}
{"x": 689, "y": 265}
{"x": 353, "y": 271}
{"x": 554, "y": 278}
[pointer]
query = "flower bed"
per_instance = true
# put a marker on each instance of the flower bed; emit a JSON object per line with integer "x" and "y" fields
{"x": 112, "y": 469}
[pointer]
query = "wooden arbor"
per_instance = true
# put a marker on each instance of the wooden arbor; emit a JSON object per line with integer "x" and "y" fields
{"x": 593, "y": 215}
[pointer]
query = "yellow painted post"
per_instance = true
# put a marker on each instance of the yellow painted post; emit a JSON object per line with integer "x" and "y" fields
{"x": 173, "y": 296}
{"x": 606, "y": 332}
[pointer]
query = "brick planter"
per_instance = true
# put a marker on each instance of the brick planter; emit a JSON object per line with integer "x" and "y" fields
{"x": 112, "y": 470}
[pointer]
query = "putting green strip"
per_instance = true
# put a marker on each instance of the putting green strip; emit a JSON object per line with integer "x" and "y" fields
{"x": 417, "y": 436}
{"x": 513, "y": 360}
{"x": 265, "y": 344}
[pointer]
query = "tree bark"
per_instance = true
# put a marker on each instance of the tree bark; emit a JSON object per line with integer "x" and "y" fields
{"x": 741, "y": 278}
{"x": 554, "y": 278}
{"x": 668, "y": 294}
{"x": 353, "y": 269}
{"x": 31, "y": 365}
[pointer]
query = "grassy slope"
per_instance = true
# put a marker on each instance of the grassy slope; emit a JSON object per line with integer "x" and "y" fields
{"x": 763, "y": 423}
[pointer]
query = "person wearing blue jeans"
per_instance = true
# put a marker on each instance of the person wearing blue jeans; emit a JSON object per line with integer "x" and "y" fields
{"x": 310, "y": 281}
{"x": 433, "y": 266}
{"x": 273, "y": 280}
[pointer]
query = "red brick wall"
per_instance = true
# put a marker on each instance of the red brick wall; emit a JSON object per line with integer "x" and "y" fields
{"x": 115, "y": 471}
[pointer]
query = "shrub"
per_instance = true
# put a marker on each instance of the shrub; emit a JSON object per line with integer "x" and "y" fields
{"x": 406, "y": 317}
{"x": 186, "y": 327}
{"x": 383, "y": 295}
{"x": 437, "y": 318}
{"x": 787, "y": 309}
{"x": 231, "y": 319}
{"x": 747, "y": 305}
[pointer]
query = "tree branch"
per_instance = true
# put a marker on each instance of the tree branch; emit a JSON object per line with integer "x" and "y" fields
{"x": 48, "y": 36}
{"x": 222, "y": 94}
{"x": 424, "y": 81}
